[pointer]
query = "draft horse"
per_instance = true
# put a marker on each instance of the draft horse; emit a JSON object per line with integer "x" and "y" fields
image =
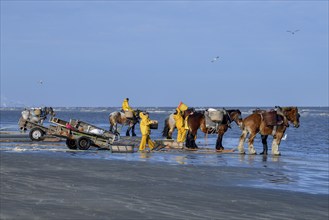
{"x": 119, "y": 117}
{"x": 255, "y": 123}
{"x": 170, "y": 124}
{"x": 197, "y": 120}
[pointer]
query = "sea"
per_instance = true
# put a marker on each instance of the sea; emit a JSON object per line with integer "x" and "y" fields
{"x": 302, "y": 167}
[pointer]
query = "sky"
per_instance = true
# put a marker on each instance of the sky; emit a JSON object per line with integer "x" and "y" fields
{"x": 158, "y": 53}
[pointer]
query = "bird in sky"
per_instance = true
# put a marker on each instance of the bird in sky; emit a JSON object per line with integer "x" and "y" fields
{"x": 40, "y": 82}
{"x": 292, "y": 32}
{"x": 215, "y": 59}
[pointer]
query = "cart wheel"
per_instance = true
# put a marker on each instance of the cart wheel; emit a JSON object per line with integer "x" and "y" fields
{"x": 36, "y": 134}
{"x": 70, "y": 143}
{"x": 83, "y": 143}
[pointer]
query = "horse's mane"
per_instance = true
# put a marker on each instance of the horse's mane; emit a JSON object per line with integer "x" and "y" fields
{"x": 289, "y": 108}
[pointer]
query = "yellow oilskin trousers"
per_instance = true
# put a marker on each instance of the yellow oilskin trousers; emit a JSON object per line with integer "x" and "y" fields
{"x": 146, "y": 140}
{"x": 181, "y": 134}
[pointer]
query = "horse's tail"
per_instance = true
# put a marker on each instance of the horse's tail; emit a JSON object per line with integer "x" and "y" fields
{"x": 166, "y": 128}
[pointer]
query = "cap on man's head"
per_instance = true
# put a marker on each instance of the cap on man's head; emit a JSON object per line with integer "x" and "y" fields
{"x": 127, "y": 99}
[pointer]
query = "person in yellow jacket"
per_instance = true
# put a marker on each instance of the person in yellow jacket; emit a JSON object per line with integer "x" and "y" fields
{"x": 125, "y": 105}
{"x": 146, "y": 131}
{"x": 180, "y": 125}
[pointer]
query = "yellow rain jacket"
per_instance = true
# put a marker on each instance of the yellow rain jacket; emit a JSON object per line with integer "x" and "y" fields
{"x": 145, "y": 124}
{"x": 146, "y": 131}
{"x": 125, "y": 106}
{"x": 181, "y": 135}
{"x": 179, "y": 119}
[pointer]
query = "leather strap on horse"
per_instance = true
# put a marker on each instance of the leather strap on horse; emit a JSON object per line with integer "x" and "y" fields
{"x": 229, "y": 118}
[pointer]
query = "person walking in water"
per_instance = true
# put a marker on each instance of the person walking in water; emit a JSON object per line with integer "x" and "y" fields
{"x": 146, "y": 131}
{"x": 180, "y": 123}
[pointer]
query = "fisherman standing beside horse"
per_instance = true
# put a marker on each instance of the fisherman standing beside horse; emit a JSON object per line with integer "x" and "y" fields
{"x": 211, "y": 121}
{"x": 180, "y": 121}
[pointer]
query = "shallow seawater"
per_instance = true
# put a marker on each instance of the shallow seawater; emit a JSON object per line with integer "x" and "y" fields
{"x": 303, "y": 166}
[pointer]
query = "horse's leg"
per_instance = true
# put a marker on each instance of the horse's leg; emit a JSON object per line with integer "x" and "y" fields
{"x": 276, "y": 143}
{"x": 128, "y": 131}
{"x": 192, "y": 140}
{"x": 264, "y": 141}
{"x": 251, "y": 148}
{"x": 219, "y": 145}
{"x": 188, "y": 140}
{"x": 170, "y": 132}
{"x": 242, "y": 140}
{"x": 133, "y": 130}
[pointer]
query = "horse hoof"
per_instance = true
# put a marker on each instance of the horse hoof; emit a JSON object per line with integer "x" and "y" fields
{"x": 134, "y": 135}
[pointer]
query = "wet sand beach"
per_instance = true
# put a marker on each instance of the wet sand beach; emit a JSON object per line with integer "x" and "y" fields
{"x": 42, "y": 186}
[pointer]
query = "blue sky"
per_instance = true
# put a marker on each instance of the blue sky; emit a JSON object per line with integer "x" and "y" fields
{"x": 158, "y": 53}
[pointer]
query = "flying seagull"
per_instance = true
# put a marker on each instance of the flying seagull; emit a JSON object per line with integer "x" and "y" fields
{"x": 215, "y": 59}
{"x": 40, "y": 82}
{"x": 293, "y": 32}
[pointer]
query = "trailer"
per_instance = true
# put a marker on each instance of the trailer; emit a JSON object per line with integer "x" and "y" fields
{"x": 80, "y": 135}
{"x": 81, "y": 140}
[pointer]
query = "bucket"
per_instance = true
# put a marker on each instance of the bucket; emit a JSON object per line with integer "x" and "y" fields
{"x": 182, "y": 106}
{"x": 129, "y": 114}
{"x": 154, "y": 125}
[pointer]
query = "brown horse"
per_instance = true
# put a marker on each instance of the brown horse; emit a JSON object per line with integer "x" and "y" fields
{"x": 117, "y": 117}
{"x": 255, "y": 123}
{"x": 197, "y": 120}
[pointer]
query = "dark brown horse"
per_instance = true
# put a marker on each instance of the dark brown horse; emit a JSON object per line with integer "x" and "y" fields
{"x": 255, "y": 123}
{"x": 197, "y": 120}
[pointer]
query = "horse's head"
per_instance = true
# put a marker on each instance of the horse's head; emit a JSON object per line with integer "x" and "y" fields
{"x": 136, "y": 114}
{"x": 50, "y": 111}
{"x": 235, "y": 115}
{"x": 292, "y": 115}
{"x": 47, "y": 111}
{"x": 187, "y": 112}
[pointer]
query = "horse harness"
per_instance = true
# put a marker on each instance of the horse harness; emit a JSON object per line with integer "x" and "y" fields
{"x": 273, "y": 118}
{"x": 213, "y": 125}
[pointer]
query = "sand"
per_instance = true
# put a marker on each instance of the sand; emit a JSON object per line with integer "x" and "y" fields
{"x": 45, "y": 186}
